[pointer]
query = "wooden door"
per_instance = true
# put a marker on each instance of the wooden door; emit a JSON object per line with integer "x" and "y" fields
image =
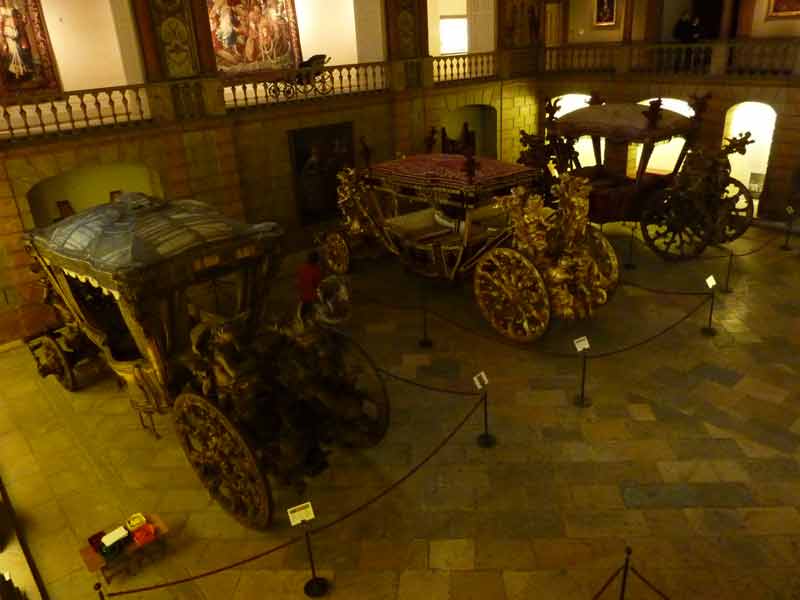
{"x": 481, "y": 22}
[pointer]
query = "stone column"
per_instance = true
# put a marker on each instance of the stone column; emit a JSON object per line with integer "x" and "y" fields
{"x": 726, "y": 20}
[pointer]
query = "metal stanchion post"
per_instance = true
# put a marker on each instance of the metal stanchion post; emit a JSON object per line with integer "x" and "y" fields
{"x": 98, "y": 587}
{"x": 629, "y": 264}
{"x": 425, "y": 341}
{"x": 709, "y": 330}
{"x": 581, "y": 400}
{"x": 625, "y": 573}
{"x": 315, "y": 587}
{"x": 727, "y": 289}
{"x": 486, "y": 439}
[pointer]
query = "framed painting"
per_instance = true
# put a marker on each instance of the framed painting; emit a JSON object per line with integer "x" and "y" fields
{"x": 783, "y": 8}
{"x": 254, "y": 35}
{"x": 605, "y": 13}
{"x": 26, "y": 56}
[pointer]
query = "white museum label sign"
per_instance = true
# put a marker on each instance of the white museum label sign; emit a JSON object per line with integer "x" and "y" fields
{"x": 301, "y": 513}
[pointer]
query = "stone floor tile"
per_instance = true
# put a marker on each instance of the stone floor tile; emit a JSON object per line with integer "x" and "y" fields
{"x": 523, "y": 585}
{"x": 565, "y": 553}
{"x": 694, "y": 471}
{"x": 361, "y": 585}
{"x": 771, "y": 521}
{"x": 730, "y": 470}
{"x": 390, "y": 555}
{"x": 715, "y": 521}
{"x": 761, "y": 390}
{"x": 433, "y": 585}
{"x": 776, "y": 493}
{"x": 773, "y": 469}
{"x": 281, "y": 585}
{"x": 641, "y": 412}
{"x": 504, "y": 554}
{"x": 476, "y": 585}
{"x": 452, "y": 554}
{"x": 588, "y": 497}
{"x": 608, "y": 523}
{"x": 667, "y": 522}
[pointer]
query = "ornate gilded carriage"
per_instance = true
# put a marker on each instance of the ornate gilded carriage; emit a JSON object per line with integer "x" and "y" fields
{"x": 173, "y": 298}
{"x": 440, "y": 214}
{"x": 680, "y": 213}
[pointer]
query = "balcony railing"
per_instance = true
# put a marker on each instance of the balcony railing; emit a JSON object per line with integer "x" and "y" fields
{"x": 459, "y": 67}
{"x": 72, "y": 111}
{"x": 597, "y": 58}
{"x": 294, "y": 85}
{"x": 736, "y": 58}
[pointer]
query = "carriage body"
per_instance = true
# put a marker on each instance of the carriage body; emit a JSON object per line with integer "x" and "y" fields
{"x": 445, "y": 216}
{"x": 172, "y": 297}
{"x": 680, "y": 212}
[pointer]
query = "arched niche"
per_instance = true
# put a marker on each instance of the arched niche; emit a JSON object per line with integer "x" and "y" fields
{"x": 84, "y": 187}
{"x": 482, "y": 119}
{"x": 665, "y": 155}
{"x": 570, "y": 103}
{"x": 759, "y": 119}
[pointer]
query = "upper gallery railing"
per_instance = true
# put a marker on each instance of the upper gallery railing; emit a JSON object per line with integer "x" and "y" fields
{"x": 763, "y": 58}
{"x": 32, "y": 115}
{"x": 458, "y": 67}
{"x": 292, "y": 85}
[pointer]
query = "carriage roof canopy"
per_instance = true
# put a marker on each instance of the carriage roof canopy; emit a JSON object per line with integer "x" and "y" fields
{"x": 130, "y": 237}
{"x": 622, "y": 122}
{"x": 448, "y": 172}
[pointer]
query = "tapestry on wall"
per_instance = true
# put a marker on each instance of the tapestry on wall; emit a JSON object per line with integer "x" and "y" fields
{"x": 26, "y": 57}
{"x": 521, "y": 23}
{"x": 254, "y": 35}
{"x": 605, "y": 13}
{"x": 784, "y": 8}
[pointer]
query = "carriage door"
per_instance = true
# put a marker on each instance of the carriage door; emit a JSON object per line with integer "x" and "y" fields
{"x": 481, "y": 24}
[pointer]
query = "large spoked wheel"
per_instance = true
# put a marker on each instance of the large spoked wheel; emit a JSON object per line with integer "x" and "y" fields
{"x": 336, "y": 252}
{"x": 737, "y": 202}
{"x": 52, "y": 359}
{"x": 675, "y": 226}
{"x": 323, "y": 82}
{"x": 606, "y": 258}
{"x": 511, "y": 295}
{"x": 368, "y": 389}
{"x": 223, "y": 460}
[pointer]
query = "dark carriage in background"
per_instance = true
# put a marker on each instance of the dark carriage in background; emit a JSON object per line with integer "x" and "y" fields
{"x": 680, "y": 213}
{"x": 172, "y": 296}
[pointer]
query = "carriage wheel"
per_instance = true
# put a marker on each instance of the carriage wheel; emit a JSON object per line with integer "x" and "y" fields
{"x": 52, "y": 359}
{"x": 675, "y": 226}
{"x": 336, "y": 252}
{"x": 737, "y": 201}
{"x": 223, "y": 460}
{"x": 606, "y": 257}
{"x": 323, "y": 83}
{"x": 511, "y": 294}
{"x": 367, "y": 383}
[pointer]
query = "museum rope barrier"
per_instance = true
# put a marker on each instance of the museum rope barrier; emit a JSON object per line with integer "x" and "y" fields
{"x": 482, "y": 401}
{"x": 626, "y": 568}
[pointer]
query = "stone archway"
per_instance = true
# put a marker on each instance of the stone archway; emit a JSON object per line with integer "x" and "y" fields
{"x": 83, "y": 187}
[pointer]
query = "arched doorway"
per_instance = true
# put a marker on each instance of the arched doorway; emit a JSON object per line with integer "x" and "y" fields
{"x": 665, "y": 155}
{"x": 759, "y": 119}
{"x": 570, "y": 103}
{"x": 81, "y": 188}
{"x": 481, "y": 119}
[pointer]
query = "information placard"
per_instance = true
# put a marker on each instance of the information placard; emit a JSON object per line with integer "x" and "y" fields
{"x": 581, "y": 343}
{"x": 481, "y": 380}
{"x": 711, "y": 282}
{"x": 300, "y": 513}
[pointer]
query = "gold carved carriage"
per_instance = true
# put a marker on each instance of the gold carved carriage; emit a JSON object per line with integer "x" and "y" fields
{"x": 447, "y": 216}
{"x": 172, "y": 296}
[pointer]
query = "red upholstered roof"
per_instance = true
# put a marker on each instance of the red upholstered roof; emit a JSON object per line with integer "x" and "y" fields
{"x": 449, "y": 172}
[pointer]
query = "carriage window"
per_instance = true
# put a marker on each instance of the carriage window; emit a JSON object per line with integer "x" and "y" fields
{"x": 103, "y": 312}
{"x": 219, "y": 294}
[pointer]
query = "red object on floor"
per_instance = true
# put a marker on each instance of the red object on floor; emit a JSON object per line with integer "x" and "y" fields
{"x": 308, "y": 278}
{"x": 145, "y": 534}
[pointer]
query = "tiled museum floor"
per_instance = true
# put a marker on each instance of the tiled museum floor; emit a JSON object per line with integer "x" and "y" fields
{"x": 690, "y": 454}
